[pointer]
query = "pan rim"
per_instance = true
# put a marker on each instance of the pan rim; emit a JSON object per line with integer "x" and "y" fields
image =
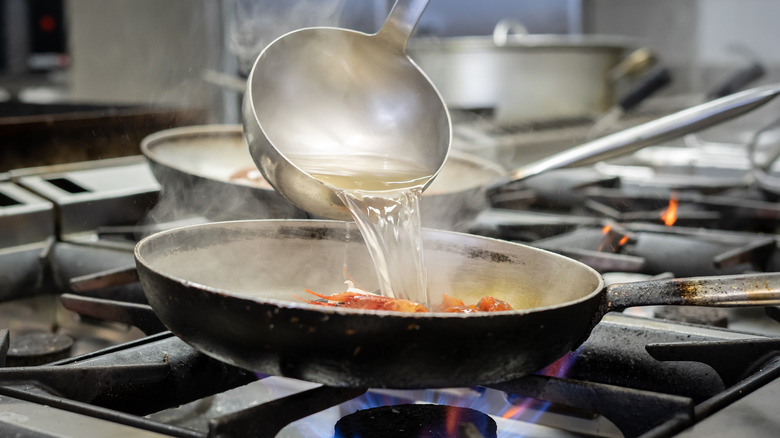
{"x": 157, "y": 139}
{"x": 340, "y": 311}
{"x": 151, "y": 141}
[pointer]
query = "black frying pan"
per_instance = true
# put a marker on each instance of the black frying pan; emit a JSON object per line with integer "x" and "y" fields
{"x": 228, "y": 289}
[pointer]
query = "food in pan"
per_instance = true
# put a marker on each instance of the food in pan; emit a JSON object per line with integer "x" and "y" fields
{"x": 366, "y": 300}
{"x": 486, "y": 304}
{"x": 356, "y": 298}
{"x": 250, "y": 175}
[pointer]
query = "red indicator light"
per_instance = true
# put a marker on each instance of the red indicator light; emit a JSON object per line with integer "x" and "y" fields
{"x": 47, "y": 23}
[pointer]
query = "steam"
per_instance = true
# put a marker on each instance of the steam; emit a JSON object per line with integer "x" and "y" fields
{"x": 216, "y": 201}
{"x": 250, "y": 26}
{"x": 258, "y": 23}
{"x": 196, "y": 168}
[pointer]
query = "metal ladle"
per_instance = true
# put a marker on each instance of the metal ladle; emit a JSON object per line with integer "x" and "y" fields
{"x": 332, "y": 93}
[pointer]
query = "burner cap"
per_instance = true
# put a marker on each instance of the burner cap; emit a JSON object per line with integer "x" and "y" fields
{"x": 428, "y": 420}
{"x": 37, "y": 349}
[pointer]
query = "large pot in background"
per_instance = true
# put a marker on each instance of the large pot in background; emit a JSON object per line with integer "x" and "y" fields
{"x": 529, "y": 77}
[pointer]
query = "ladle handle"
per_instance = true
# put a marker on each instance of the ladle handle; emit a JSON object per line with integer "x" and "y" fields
{"x": 401, "y": 22}
{"x": 659, "y": 130}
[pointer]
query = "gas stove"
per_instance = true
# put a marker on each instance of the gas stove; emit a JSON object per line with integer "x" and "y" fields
{"x": 84, "y": 355}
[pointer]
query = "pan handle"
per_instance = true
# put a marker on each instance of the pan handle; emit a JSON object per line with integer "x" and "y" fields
{"x": 739, "y": 80}
{"x": 718, "y": 291}
{"x": 666, "y": 128}
{"x": 506, "y": 27}
{"x": 634, "y": 65}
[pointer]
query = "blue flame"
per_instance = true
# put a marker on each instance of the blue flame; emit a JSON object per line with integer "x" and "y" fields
{"x": 522, "y": 410}
{"x": 560, "y": 368}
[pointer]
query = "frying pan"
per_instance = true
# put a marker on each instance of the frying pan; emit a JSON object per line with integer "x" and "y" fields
{"x": 228, "y": 289}
{"x": 194, "y": 165}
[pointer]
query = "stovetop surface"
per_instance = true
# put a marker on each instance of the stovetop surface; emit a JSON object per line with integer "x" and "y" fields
{"x": 628, "y": 194}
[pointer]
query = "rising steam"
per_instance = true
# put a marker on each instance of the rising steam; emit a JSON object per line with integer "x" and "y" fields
{"x": 256, "y": 23}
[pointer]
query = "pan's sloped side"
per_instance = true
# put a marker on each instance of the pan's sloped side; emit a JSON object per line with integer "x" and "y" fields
{"x": 357, "y": 350}
{"x": 194, "y": 165}
{"x": 216, "y": 200}
{"x": 363, "y": 348}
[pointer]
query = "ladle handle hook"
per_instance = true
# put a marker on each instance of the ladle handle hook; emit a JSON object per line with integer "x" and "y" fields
{"x": 663, "y": 129}
{"x": 401, "y": 22}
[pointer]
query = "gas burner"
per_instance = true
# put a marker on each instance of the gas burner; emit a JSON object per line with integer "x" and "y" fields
{"x": 654, "y": 250}
{"x": 735, "y": 210}
{"x": 37, "y": 349}
{"x": 416, "y": 420}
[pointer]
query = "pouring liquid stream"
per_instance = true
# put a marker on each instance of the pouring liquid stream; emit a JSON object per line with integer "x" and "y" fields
{"x": 383, "y": 195}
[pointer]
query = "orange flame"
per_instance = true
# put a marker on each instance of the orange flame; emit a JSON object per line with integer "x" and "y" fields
{"x": 607, "y": 241}
{"x": 669, "y": 215}
{"x": 515, "y": 410}
{"x": 452, "y": 421}
{"x": 560, "y": 368}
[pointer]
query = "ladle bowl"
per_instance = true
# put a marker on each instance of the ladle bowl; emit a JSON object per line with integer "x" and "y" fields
{"x": 328, "y": 94}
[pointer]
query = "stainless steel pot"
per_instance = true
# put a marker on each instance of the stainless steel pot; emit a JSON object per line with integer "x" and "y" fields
{"x": 526, "y": 77}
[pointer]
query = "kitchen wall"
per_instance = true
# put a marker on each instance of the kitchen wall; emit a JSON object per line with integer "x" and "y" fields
{"x": 141, "y": 51}
{"x": 729, "y": 30}
{"x": 703, "y": 41}
{"x": 157, "y": 51}
{"x": 165, "y": 52}
{"x": 467, "y": 17}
